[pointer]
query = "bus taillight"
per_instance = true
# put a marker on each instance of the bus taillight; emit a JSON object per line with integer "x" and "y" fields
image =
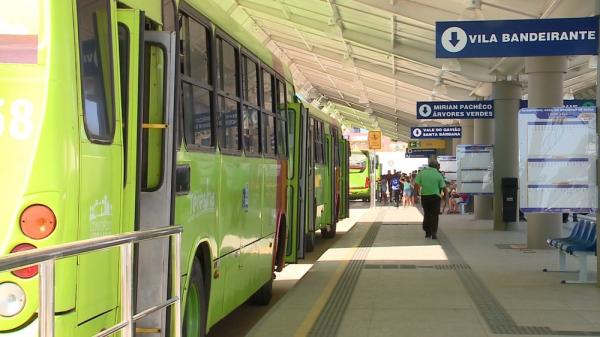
{"x": 37, "y": 222}
{"x": 27, "y": 272}
{"x": 367, "y": 182}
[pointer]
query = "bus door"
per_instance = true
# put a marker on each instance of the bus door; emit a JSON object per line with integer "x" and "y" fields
{"x": 147, "y": 85}
{"x": 311, "y": 201}
{"x": 302, "y": 180}
{"x": 297, "y": 181}
{"x": 343, "y": 148}
{"x": 330, "y": 163}
{"x": 100, "y": 162}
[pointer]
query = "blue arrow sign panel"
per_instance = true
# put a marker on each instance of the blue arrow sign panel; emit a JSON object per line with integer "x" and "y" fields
{"x": 435, "y": 132}
{"x": 420, "y": 153}
{"x": 455, "y": 110}
{"x": 515, "y": 38}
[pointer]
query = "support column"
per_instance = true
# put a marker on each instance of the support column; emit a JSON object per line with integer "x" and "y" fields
{"x": 455, "y": 141}
{"x": 467, "y": 138}
{"x": 545, "y": 90}
{"x": 483, "y": 133}
{"x": 467, "y": 131}
{"x": 506, "y": 97}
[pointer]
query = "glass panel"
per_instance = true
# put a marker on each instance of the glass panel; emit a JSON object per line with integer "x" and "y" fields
{"x": 269, "y": 132}
{"x": 268, "y": 91}
{"x": 227, "y": 68}
{"x": 250, "y": 81}
{"x": 197, "y": 59}
{"x": 281, "y": 99}
{"x": 228, "y": 124}
{"x": 281, "y": 131}
{"x": 251, "y": 130}
{"x": 96, "y": 71}
{"x": 196, "y": 114}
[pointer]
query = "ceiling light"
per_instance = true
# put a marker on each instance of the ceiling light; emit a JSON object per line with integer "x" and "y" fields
{"x": 451, "y": 65}
{"x": 472, "y": 11}
{"x": 439, "y": 88}
{"x": 363, "y": 99}
{"x": 569, "y": 95}
{"x": 593, "y": 62}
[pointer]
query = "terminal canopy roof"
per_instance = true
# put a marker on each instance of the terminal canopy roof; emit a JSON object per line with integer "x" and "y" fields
{"x": 367, "y": 62}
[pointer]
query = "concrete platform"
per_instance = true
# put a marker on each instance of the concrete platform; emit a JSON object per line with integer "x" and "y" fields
{"x": 383, "y": 278}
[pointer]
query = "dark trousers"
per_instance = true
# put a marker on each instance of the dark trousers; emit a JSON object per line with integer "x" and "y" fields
{"x": 431, "y": 213}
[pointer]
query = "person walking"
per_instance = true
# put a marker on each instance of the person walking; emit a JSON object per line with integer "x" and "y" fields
{"x": 407, "y": 194}
{"x": 384, "y": 188}
{"x": 429, "y": 183}
{"x": 395, "y": 184}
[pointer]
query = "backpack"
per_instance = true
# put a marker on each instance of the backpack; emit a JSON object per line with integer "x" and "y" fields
{"x": 395, "y": 183}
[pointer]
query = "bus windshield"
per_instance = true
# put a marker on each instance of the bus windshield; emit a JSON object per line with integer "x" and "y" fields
{"x": 358, "y": 163}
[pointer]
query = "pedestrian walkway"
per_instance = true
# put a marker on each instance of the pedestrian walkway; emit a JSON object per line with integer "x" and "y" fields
{"x": 383, "y": 278}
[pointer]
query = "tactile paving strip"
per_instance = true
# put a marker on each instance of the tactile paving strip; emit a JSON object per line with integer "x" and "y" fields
{"x": 495, "y": 315}
{"x": 329, "y": 321}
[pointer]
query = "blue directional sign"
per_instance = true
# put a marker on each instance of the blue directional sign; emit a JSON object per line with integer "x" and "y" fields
{"x": 515, "y": 38}
{"x": 421, "y": 132}
{"x": 455, "y": 110}
{"x": 568, "y": 103}
{"x": 420, "y": 153}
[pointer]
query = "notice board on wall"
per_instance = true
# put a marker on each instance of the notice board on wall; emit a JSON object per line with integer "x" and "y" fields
{"x": 475, "y": 169}
{"x": 557, "y": 160}
{"x": 448, "y": 167}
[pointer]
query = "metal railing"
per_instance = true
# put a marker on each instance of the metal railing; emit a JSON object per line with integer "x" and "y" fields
{"x": 46, "y": 258}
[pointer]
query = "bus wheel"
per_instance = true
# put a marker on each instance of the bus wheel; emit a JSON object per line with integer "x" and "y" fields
{"x": 309, "y": 241}
{"x": 263, "y": 295}
{"x": 194, "y": 320}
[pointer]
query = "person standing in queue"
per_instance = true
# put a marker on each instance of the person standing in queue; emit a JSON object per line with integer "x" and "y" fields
{"x": 429, "y": 183}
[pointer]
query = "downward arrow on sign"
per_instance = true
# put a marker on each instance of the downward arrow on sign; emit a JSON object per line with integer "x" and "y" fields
{"x": 454, "y": 39}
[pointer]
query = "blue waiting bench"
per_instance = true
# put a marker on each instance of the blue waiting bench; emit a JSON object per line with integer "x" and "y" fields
{"x": 581, "y": 243}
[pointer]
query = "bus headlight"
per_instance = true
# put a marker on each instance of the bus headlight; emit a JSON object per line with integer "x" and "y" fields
{"x": 12, "y": 299}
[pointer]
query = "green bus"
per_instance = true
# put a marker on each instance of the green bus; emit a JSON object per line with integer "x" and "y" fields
{"x": 318, "y": 177}
{"x": 123, "y": 115}
{"x": 360, "y": 175}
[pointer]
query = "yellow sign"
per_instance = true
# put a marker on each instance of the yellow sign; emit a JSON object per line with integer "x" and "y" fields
{"x": 374, "y": 140}
{"x": 430, "y": 144}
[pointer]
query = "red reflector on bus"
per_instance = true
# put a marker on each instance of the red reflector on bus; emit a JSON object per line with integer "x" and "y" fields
{"x": 27, "y": 272}
{"x": 37, "y": 222}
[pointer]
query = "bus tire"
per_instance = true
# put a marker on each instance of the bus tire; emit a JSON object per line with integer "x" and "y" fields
{"x": 263, "y": 295}
{"x": 309, "y": 241}
{"x": 194, "y": 319}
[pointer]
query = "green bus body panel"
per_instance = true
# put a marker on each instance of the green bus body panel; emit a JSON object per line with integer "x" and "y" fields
{"x": 152, "y": 9}
{"x": 38, "y": 144}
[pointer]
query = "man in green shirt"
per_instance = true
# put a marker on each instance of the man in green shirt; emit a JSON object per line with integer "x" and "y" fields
{"x": 429, "y": 183}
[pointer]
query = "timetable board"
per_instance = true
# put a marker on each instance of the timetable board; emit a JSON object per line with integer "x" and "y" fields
{"x": 475, "y": 169}
{"x": 557, "y": 160}
{"x": 448, "y": 167}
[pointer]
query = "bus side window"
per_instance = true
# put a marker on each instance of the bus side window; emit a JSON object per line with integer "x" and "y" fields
{"x": 281, "y": 127}
{"x": 250, "y": 107}
{"x": 95, "y": 53}
{"x": 269, "y": 137}
{"x": 196, "y": 83}
{"x": 228, "y": 97}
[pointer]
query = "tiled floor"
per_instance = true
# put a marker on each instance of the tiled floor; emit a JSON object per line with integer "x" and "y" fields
{"x": 463, "y": 285}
